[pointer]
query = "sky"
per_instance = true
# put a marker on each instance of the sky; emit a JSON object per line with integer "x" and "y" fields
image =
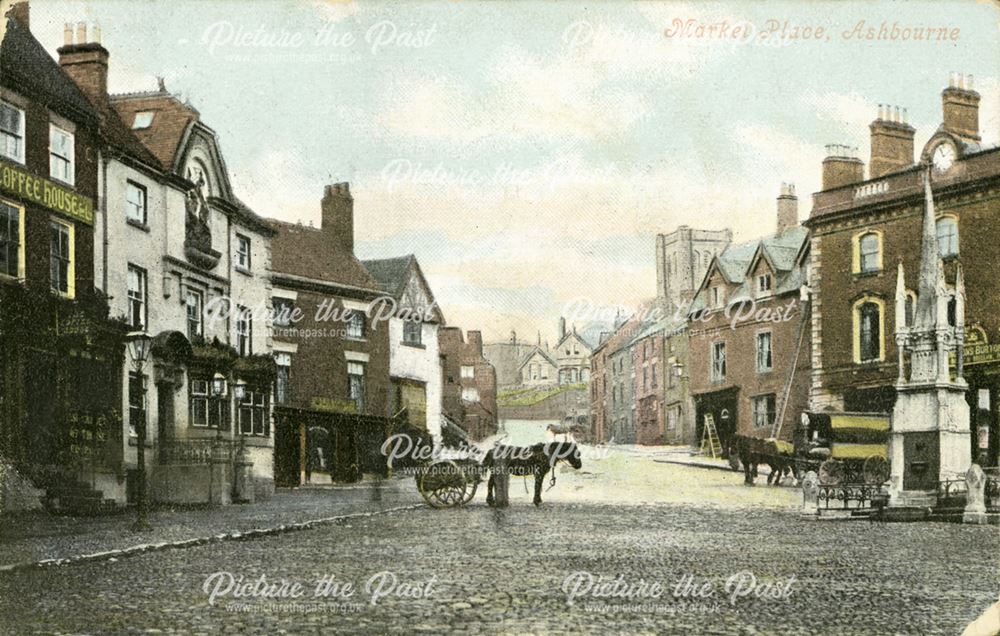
{"x": 529, "y": 152}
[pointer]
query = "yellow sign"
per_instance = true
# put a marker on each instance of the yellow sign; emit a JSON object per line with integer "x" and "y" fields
{"x": 333, "y": 406}
{"x": 977, "y": 349}
{"x": 24, "y": 185}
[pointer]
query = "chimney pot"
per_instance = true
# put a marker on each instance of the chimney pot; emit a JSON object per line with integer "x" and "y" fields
{"x": 67, "y": 34}
{"x": 97, "y": 33}
{"x": 81, "y": 32}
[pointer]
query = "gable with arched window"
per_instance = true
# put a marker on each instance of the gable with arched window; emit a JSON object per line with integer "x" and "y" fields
{"x": 869, "y": 329}
{"x": 947, "y": 235}
{"x": 867, "y": 257}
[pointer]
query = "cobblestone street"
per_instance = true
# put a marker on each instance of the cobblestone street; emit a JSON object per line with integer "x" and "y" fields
{"x": 477, "y": 570}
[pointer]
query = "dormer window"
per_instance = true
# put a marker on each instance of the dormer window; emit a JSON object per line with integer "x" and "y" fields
{"x": 764, "y": 284}
{"x": 718, "y": 297}
{"x": 143, "y": 120}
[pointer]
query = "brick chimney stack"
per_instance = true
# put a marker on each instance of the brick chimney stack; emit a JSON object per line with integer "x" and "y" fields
{"x": 961, "y": 107}
{"x": 338, "y": 214}
{"x": 86, "y": 62}
{"x": 20, "y": 12}
{"x": 788, "y": 208}
{"x": 892, "y": 141}
{"x": 842, "y": 167}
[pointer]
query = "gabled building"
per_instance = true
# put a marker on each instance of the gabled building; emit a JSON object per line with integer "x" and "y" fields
{"x": 864, "y": 226}
{"x": 469, "y": 383}
{"x": 538, "y": 368}
{"x": 182, "y": 258}
{"x": 60, "y": 354}
{"x": 333, "y": 390}
{"x": 572, "y": 355}
{"x": 748, "y": 334}
{"x": 413, "y": 318}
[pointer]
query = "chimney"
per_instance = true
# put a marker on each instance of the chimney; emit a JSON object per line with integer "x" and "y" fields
{"x": 338, "y": 215}
{"x": 961, "y": 107}
{"x": 475, "y": 340}
{"x": 842, "y": 167}
{"x": 788, "y": 208}
{"x": 562, "y": 328}
{"x": 892, "y": 141}
{"x": 86, "y": 62}
{"x": 20, "y": 12}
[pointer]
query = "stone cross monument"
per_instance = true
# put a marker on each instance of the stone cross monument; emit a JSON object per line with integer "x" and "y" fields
{"x": 930, "y": 421}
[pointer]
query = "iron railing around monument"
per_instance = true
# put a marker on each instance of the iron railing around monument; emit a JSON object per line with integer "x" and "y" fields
{"x": 850, "y": 497}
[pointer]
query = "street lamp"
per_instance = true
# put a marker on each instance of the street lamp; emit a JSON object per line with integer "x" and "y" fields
{"x": 139, "y": 344}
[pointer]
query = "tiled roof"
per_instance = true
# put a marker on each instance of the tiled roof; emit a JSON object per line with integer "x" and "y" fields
{"x": 171, "y": 119}
{"x": 531, "y": 354}
{"x": 391, "y": 274}
{"x": 25, "y": 62}
{"x": 308, "y": 252}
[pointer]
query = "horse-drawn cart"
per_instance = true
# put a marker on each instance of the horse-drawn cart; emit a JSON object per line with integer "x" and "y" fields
{"x": 845, "y": 448}
{"x": 448, "y": 483}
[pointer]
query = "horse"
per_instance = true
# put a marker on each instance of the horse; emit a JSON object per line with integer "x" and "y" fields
{"x": 754, "y": 450}
{"x": 536, "y": 460}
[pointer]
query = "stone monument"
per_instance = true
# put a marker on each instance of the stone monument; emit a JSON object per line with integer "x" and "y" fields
{"x": 930, "y": 439}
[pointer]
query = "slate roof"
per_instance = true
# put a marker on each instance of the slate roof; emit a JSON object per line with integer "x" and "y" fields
{"x": 780, "y": 251}
{"x": 530, "y": 354}
{"x": 25, "y": 62}
{"x": 391, "y": 274}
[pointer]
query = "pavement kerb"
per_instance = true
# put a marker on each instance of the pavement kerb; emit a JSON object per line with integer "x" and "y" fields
{"x": 246, "y": 535}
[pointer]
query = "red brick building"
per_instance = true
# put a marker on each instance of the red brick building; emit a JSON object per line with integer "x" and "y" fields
{"x": 603, "y": 373}
{"x": 863, "y": 228}
{"x": 749, "y": 347}
{"x": 60, "y": 356}
{"x": 469, "y": 386}
{"x": 333, "y": 393}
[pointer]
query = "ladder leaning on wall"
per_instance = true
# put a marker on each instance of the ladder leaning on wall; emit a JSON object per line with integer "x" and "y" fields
{"x": 710, "y": 443}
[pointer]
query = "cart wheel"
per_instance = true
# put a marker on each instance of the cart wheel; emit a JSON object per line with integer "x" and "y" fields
{"x": 831, "y": 472}
{"x": 876, "y": 470}
{"x": 470, "y": 492}
{"x": 443, "y": 485}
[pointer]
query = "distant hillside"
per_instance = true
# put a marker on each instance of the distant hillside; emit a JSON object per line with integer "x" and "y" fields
{"x": 543, "y": 403}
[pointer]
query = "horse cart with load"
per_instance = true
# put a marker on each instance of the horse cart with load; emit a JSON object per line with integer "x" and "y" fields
{"x": 844, "y": 448}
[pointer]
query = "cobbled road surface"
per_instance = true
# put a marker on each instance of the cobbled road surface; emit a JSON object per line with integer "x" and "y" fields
{"x": 710, "y": 544}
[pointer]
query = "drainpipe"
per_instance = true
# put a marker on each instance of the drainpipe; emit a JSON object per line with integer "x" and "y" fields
{"x": 104, "y": 223}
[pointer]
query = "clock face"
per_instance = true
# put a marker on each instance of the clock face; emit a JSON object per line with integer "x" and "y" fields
{"x": 944, "y": 157}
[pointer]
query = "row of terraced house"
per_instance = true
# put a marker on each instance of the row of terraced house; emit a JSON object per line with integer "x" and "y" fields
{"x": 268, "y": 353}
{"x": 750, "y": 336}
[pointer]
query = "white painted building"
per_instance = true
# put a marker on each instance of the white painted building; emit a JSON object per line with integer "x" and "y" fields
{"x": 414, "y": 355}
{"x": 182, "y": 258}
